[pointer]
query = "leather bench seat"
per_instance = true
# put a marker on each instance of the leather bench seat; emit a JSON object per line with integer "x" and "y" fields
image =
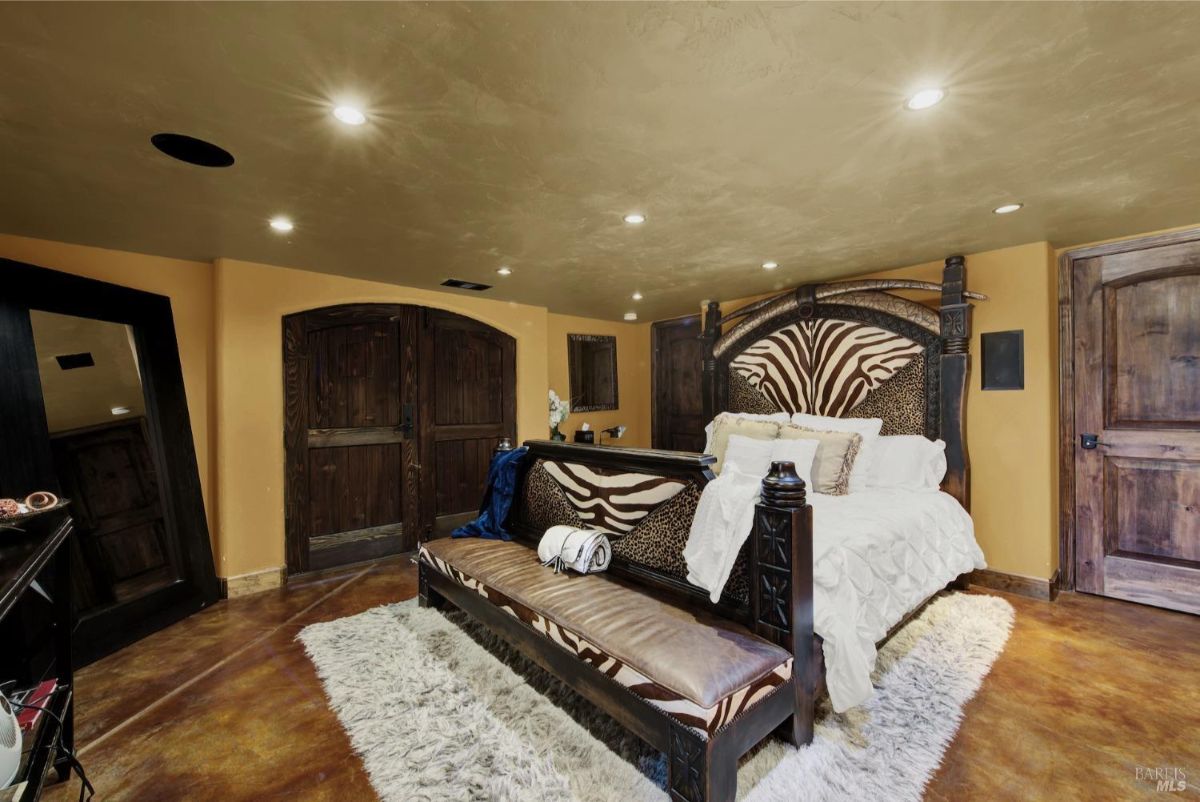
{"x": 699, "y": 668}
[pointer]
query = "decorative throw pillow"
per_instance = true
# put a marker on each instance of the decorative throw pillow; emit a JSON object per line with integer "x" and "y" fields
{"x": 657, "y": 541}
{"x": 907, "y": 462}
{"x": 836, "y": 452}
{"x": 776, "y": 417}
{"x": 726, "y": 424}
{"x": 750, "y": 455}
{"x": 868, "y": 428}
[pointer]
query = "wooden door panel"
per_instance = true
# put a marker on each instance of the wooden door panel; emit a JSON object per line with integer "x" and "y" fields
{"x": 462, "y": 467}
{"x": 469, "y": 377}
{"x": 355, "y": 379}
{"x": 1137, "y": 390}
{"x": 354, "y": 488}
{"x": 1154, "y": 378}
{"x": 678, "y": 403}
{"x": 468, "y": 390}
{"x": 1155, "y": 508}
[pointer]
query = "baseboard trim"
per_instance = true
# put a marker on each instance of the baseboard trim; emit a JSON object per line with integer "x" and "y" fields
{"x": 233, "y": 587}
{"x": 1033, "y": 587}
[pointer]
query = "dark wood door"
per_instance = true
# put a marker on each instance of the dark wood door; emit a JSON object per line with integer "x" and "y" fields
{"x": 1137, "y": 407}
{"x": 350, "y": 402}
{"x": 468, "y": 403}
{"x": 677, "y": 414}
{"x": 121, "y": 550}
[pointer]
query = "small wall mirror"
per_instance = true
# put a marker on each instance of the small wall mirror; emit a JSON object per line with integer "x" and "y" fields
{"x": 592, "y": 363}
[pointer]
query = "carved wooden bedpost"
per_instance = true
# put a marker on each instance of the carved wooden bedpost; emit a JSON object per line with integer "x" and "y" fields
{"x": 708, "y": 376}
{"x": 781, "y": 595}
{"x": 955, "y": 313}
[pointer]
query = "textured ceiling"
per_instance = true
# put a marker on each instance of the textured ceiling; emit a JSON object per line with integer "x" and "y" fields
{"x": 506, "y": 133}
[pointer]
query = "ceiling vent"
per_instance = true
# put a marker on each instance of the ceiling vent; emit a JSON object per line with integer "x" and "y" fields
{"x": 72, "y": 361}
{"x": 459, "y": 284}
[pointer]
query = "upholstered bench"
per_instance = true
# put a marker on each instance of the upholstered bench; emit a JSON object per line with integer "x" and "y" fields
{"x": 702, "y": 682}
{"x": 699, "y": 669}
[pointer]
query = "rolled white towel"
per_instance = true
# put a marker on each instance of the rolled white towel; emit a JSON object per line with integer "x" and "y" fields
{"x": 586, "y": 551}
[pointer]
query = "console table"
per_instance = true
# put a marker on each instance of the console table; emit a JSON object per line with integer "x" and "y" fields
{"x": 41, "y": 550}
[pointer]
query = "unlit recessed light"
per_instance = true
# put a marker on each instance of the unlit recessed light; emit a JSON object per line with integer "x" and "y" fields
{"x": 120, "y": 410}
{"x": 770, "y": 265}
{"x": 504, "y": 271}
{"x": 350, "y": 115}
{"x": 1007, "y": 208}
{"x": 635, "y": 218}
{"x": 637, "y": 296}
{"x": 631, "y": 315}
{"x": 282, "y": 224}
{"x": 924, "y": 99}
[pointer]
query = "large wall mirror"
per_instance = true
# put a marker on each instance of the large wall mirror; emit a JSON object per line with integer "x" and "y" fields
{"x": 592, "y": 363}
{"x": 94, "y": 410}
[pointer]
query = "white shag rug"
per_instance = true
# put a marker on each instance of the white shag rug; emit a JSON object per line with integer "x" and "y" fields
{"x": 440, "y": 709}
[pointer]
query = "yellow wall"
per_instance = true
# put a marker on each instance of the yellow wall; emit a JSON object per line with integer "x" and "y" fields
{"x": 189, "y": 286}
{"x": 1012, "y": 435}
{"x": 633, "y": 376}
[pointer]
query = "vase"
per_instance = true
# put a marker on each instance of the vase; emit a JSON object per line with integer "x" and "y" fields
{"x": 556, "y": 435}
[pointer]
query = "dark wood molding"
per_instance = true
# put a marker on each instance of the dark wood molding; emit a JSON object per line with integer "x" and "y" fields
{"x": 1066, "y": 381}
{"x": 1033, "y": 587}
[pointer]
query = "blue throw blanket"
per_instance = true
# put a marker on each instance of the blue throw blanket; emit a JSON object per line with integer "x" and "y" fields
{"x": 497, "y": 499}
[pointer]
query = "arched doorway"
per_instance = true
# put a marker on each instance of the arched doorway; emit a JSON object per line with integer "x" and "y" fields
{"x": 391, "y": 412}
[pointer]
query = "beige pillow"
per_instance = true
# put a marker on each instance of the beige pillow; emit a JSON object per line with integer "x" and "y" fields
{"x": 726, "y": 424}
{"x": 835, "y": 456}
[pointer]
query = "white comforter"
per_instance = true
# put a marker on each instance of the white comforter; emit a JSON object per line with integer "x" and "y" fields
{"x": 877, "y": 554}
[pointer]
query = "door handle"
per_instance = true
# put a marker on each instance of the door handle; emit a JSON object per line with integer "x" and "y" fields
{"x": 1090, "y": 441}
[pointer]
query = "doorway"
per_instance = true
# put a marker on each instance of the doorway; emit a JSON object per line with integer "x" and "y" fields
{"x": 1130, "y": 415}
{"x": 391, "y": 413}
{"x": 677, "y": 412}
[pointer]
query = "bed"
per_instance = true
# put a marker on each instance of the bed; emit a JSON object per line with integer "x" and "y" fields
{"x": 819, "y": 582}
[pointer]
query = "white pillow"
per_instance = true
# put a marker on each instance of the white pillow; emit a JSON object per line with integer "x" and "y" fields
{"x": 777, "y": 417}
{"x": 907, "y": 462}
{"x": 749, "y": 454}
{"x": 801, "y": 452}
{"x": 868, "y": 428}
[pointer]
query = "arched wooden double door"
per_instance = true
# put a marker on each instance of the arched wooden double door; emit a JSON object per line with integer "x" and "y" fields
{"x": 391, "y": 413}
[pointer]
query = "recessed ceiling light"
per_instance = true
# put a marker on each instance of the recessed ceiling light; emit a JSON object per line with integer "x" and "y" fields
{"x": 504, "y": 270}
{"x": 770, "y": 265}
{"x": 637, "y": 296}
{"x": 282, "y": 224}
{"x": 631, "y": 315}
{"x": 634, "y": 218}
{"x": 924, "y": 99}
{"x": 120, "y": 410}
{"x": 1007, "y": 208}
{"x": 350, "y": 115}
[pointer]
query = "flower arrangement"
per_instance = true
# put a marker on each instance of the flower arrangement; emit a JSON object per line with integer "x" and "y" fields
{"x": 559, "y": 410}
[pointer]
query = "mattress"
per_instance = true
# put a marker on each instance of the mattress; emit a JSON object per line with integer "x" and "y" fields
{"x": 877, "y": 555}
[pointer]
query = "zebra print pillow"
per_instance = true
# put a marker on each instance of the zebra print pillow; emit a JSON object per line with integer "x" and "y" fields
{"x": 613, "y": 502}
{"x": 823, "y": 366}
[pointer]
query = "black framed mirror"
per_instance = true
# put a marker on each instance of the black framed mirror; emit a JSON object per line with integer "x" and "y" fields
{"x": 592, "y": 364}
{"x": 94, "y": 409}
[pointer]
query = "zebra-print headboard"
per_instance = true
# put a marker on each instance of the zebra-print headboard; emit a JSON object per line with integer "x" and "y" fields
{"x": 851, "y": 349}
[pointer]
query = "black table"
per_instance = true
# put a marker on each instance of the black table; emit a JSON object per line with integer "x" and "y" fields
{"x": 41, "y": 551}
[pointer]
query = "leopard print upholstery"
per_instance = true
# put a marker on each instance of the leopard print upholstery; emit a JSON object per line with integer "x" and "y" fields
{"x": 658, "y": 540}
{"x": 744, "y": 397}
{"x": 899, "y": 402}
{"x": 543, "y": 502}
